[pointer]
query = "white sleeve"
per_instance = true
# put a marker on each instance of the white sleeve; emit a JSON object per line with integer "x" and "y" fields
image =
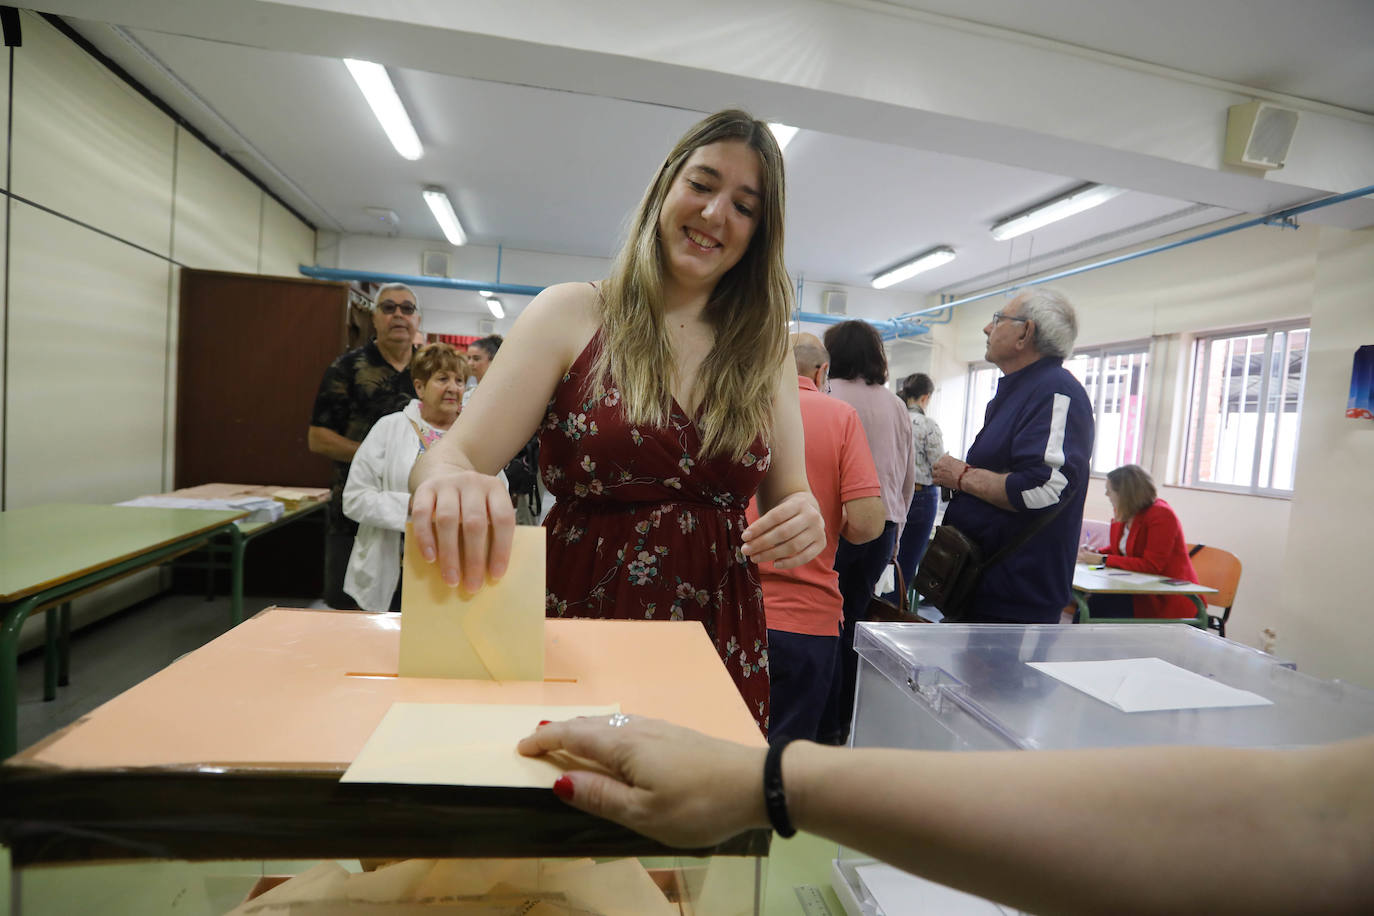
{"x": 365, "y": 499}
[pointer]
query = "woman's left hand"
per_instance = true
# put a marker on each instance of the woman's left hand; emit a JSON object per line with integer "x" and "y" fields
{"x": 667, "y": 782}
{"x": 1092, "y": 558}
{"x": 789, "y": 534}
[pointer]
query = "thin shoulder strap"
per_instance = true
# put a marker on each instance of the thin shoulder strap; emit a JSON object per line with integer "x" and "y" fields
{"x": 1040, "y": 523}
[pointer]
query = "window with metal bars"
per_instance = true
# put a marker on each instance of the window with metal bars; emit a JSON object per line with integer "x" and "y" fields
{"x": 1245, "y": 409}
{"x": 1115, "y": 378}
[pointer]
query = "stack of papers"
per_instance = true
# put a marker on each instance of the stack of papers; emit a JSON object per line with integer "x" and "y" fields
{"x": 259, "y": 509}
{"x": 480, "y": 887}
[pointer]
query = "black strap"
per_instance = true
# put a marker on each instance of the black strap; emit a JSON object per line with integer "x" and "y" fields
{"x": 1027, "y": 533}
{"x": 1196, "y": 548}
{"x": 774, "y": 798}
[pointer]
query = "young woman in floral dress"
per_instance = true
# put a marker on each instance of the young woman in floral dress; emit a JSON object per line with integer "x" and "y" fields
{"x": 663, "y": 402}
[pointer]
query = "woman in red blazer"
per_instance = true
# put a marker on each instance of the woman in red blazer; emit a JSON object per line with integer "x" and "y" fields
{"x": 1145, "y": 537}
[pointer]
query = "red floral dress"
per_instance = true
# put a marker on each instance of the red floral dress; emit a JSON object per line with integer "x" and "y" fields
{"x": 646, "y": 529}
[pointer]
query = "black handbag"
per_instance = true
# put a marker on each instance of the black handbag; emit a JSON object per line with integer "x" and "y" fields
{"x": 949, "y": 572}
{"x": 902, "y": 612}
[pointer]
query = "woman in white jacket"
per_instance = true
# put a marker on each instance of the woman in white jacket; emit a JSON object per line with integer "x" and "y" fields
{"x": 377, "y": 495}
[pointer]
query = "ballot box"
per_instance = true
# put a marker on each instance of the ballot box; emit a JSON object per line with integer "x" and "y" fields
{"x": 195, "y": 788}
{"x": 963, "y": 687}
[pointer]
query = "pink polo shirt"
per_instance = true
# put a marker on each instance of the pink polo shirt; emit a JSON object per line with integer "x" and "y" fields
{"x": 888, "y": 429}
{"x": 839, "y": 468}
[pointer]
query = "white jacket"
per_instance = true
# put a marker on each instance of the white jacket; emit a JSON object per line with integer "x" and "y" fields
{"x": 377, "y": 497}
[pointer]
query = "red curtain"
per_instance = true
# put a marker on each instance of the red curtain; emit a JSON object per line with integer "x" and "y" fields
{"x": 460, "y": 341}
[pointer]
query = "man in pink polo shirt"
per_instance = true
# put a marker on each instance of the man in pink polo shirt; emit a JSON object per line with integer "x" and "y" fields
{"x": 803, "y": 606}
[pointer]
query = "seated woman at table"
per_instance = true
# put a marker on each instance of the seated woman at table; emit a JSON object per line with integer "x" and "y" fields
{"x": 377, "y": 496}
{"x": 1145, "y": 537}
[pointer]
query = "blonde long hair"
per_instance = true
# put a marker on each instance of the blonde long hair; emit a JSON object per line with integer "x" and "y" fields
{"x": 748, "y": 310}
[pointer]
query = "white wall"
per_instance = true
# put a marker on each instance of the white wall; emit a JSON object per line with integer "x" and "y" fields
{"x": 1302, "y": 556}
{"x": 115, "y": 198}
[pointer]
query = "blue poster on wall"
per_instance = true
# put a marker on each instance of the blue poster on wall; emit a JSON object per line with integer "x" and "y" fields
{"x": 1361, "y": 403}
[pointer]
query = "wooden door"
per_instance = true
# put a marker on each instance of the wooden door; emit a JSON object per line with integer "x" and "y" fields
{"x": 251, "y": 353}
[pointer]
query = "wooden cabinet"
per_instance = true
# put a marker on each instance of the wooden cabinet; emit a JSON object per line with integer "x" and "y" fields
{"x": 250, "y": 357}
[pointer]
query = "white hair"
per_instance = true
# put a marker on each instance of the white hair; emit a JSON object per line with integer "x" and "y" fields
{"x": 1056, "y": 325}
{"x": 391, "y": 288}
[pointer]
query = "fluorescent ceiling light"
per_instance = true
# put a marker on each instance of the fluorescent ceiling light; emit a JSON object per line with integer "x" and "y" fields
{"x": 485, "y": 293}
{"x": 376, "y": 87}
{"x": 1076, "y": 201}
{"x": 919, "y": 264}
{"x": 443, "y": 214}
{"x": 494, "y": 306}
{"x": 783, "y": 133}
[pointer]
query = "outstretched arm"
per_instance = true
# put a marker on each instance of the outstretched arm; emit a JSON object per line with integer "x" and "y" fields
{"x": 1119, "y": 830}
{"x": 462, "y": 514}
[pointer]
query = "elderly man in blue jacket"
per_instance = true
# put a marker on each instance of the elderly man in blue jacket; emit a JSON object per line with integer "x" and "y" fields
{"x": 1031, "y": 455}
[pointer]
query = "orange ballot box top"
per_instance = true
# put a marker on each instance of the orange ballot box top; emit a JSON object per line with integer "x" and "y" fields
{"x": 245, "y": 739}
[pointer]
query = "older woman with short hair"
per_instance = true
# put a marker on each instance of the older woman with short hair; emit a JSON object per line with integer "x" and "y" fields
{"x": 1145, "y": 537}
{"x": 377, "y": 495}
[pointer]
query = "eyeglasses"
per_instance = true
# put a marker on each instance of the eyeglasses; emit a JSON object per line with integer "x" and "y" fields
{"x": 998, "y": 316}
{"x": 390, "y": 308}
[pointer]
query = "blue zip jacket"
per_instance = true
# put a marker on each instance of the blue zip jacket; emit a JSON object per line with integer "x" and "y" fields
{"x": 1038, "y": 427}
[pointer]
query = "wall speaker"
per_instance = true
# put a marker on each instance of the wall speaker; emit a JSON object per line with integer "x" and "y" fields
{"x": 1258, "y": 135}
{"x": 486, "y": 326}
{"x": 834, "y": 302}
{"x": 434, "y": 264}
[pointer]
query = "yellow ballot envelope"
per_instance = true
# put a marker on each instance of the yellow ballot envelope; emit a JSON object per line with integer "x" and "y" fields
{"x": 496, "y": 634}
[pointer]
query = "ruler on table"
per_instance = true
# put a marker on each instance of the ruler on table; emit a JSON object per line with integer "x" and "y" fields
{"x": 812, "y": 901}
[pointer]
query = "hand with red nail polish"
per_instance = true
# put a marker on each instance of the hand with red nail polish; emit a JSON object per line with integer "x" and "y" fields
{"x": 667, "y": 782}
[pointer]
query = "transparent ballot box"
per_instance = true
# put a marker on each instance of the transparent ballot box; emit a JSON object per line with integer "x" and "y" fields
{"x": 219, "y": 777}
{"x": 961, "y": 687}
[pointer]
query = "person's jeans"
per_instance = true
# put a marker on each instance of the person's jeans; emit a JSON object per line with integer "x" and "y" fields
{"x": 920, "y": 519}
{"x": 800, "y": 670}
{"x": 859, "y": 566}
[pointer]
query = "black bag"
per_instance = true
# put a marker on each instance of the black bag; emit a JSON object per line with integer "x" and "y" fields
{"x": 949, "y": 572}
{"x": 902, "y": 612}
{"x": 522, "y": 473}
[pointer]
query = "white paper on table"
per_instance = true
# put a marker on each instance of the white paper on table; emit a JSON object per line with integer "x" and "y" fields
{"x": 1132, "y": 578}
{"x": 454, "y": 744}
{"x": 1148, "y": 685}
{"x": 900, "y": 893}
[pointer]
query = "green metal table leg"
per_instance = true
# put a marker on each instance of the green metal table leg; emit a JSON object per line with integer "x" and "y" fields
{"x": 237, "y": 545}
{"x": 210, "y": 555}
{"x": 50, "y": 653}
{"x": 15, "y": 615}
{"x": 1081, "y": 599}
{"x": 64, "y": 644}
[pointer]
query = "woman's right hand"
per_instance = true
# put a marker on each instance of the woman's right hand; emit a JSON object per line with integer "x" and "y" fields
{"x": 465, "y": 520}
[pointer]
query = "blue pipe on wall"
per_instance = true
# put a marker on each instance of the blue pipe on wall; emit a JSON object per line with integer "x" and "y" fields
{"x": 370, "y": 276}
{"x": 1281, "y": 218}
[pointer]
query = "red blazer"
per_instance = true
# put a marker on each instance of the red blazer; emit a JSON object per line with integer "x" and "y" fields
{"x": 1155, "y": 545}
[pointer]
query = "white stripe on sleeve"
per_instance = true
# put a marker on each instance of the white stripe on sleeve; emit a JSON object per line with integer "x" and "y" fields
{"x": 1047, "y": 494}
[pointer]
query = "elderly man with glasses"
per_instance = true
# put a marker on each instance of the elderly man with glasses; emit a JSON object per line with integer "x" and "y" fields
{"x": 1030, "y": 459}
{"x": 358, "y": 388}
